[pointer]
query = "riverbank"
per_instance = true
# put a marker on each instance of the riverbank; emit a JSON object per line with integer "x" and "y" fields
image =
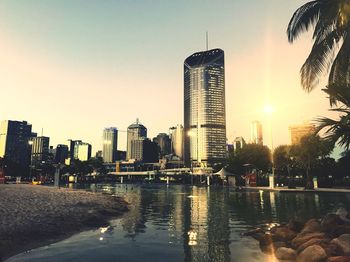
{"x": 32, "y": 216}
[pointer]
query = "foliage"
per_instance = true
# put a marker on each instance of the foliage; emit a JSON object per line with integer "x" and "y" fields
{"x": 258, "y": 156}
{"x": 308, "y": 153}
{"x": 330, "y": 20}
{"x": 337, "y": 131}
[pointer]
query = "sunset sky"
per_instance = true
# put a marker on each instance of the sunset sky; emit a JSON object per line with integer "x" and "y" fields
{"x": 74, "y": 67}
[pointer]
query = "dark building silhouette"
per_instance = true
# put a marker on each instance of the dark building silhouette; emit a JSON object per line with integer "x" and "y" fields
{"x": 14, "y": 144}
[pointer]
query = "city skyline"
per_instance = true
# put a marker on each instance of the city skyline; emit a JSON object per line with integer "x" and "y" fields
{"x": 69, "y": 62}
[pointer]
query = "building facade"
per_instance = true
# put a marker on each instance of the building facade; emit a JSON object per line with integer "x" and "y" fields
{"x": 110, "y": 145}
{"x": 177, "y": 140}
{"x": 135, "y": 131}
{"x": 145, "y": 150}
{"x": 239, "y": 143}
{"x": 82, "y": 151}
{"x": 256, "y": 133}
{"x": 204, "y": 108}
{"x": 297, "y": 132}
{"x": 14, "y": 143}
{"x": 164, "y": 143}
{"x": 40, "y": 150}
{"x": 61, "y": 154}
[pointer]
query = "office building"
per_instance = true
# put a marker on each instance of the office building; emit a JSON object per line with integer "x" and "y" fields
{"x": 40, "y": 150}
{"x": 135, "y": 131}
{"x": 204, "y": 108}
{"x": 238, "y": 143}
{"x": 177, "y": 140}
{"x": 164, "y": 143}
{"x": 256, "y": 133}
{"x": 61, "y": 154}
{"x": 299, "y": 131}
{"x": 71, "y": 145}
{"x": 82, "y": 151}
{"x": 145, "y": 150}
{"x": 110, "y": 145}
{"x": 14, "y": 143}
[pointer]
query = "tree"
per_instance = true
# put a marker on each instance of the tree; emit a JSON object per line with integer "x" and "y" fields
{"x": 337, "y": 131}
{"x": 331, "y": 22}
{"x": 258, "y": 156}
{"x": 308, "y": 153}
{"x": 282, "y": 159}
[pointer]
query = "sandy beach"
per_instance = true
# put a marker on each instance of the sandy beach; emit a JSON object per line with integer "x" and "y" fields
{"x": 32, "y": 216}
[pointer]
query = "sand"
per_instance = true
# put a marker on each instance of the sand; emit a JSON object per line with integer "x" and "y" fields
{"x": 33, "y": 216}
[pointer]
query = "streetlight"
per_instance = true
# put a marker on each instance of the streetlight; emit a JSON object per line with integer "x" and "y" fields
{"x": 268, "y": 110}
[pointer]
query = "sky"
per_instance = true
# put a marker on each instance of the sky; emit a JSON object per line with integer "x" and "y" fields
{"x": 74, "y": 67}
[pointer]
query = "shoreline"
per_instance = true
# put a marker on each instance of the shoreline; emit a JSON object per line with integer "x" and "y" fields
{"x": 34, "y": 216}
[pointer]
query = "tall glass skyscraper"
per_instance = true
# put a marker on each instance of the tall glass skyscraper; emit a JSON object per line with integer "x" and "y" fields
{"x": 204, "y": 108}
{"x": 110, "y": 144}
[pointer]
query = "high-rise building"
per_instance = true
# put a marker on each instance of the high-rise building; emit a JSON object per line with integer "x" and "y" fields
{"x": 14, "y": 143}
{"x": 71, "y": 145}
{"x": 204, "y": 108}
{"x": 61, "y": 154}
{"x": 177, "y": 140}
{"x": 164, "y": 143}
{"x": 82, "y": 151}
{"x": 256, "y": 133}
{"x": 239, "y": 143}
{"x": 299, "y": 131}
{"x": 110, "y": 145}
{"x": 40, "y": 150}
{"x": 145, "y": 150}
{"x": 135, "y": 131}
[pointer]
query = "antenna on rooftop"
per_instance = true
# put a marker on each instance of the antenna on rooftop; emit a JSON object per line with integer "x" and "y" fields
{"x": 207, "y": 45}
{"x": 137, "y": 120}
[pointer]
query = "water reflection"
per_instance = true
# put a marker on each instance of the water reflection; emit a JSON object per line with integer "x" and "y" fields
{"x": 183, "y": 223}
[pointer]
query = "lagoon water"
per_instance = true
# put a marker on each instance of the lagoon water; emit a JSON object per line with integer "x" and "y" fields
{"x": 185, "y": 223}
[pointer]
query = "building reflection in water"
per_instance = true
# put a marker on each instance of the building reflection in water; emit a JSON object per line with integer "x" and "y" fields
{"x": 207, "y": 233}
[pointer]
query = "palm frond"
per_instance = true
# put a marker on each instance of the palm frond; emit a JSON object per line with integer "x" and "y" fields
{"x": 319, "y": 60}
{"x": 340, "y": 70}
{"x": 303, "y": 18}
{"x": 338, "y": 93}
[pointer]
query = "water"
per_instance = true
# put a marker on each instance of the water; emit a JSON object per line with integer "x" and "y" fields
{"x": 183, "y": 223}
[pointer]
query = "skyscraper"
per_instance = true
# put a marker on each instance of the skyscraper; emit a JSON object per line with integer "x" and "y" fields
{"x": 82, "y": 151}
{"x": 256, "y": 133}
{"x": 164, "y": 143}
{"x": 204, "y": 108}
{"x": 135, "y": 132}
{"x": 177, "y": 142}
{"x": 110, "y": 145}
{"x": 299, "y": 131}
{"x": 14, "y": 142}
{"x": 239, "y": 143}
{"x": 40, "y": 150}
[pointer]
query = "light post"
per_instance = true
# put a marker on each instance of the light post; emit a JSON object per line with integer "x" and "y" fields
{"x": 30, "y": 143}
{"x": 268, "y": 109}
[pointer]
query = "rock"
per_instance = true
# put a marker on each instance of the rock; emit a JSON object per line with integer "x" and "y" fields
{"x": 344, "y": 242}
{"x": 312, "y": 226}
{"x": 295, "y": 226}
{"x": 278, "y": 244}
{"x": 311, "y": 242}
{"x": 339, "y": 259}
{"x": 283, "y": 233}
{"x": 313, "y": 253}
{"x": 302, "y": 238}
{"x": 252, "y": 232}
{"x": 333, "y": 250}
{"x": 340, "y": 230}
{"x": 330, "y": 221}
{"x": 284, "y": 253}
{"x": 343, "y": 214}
